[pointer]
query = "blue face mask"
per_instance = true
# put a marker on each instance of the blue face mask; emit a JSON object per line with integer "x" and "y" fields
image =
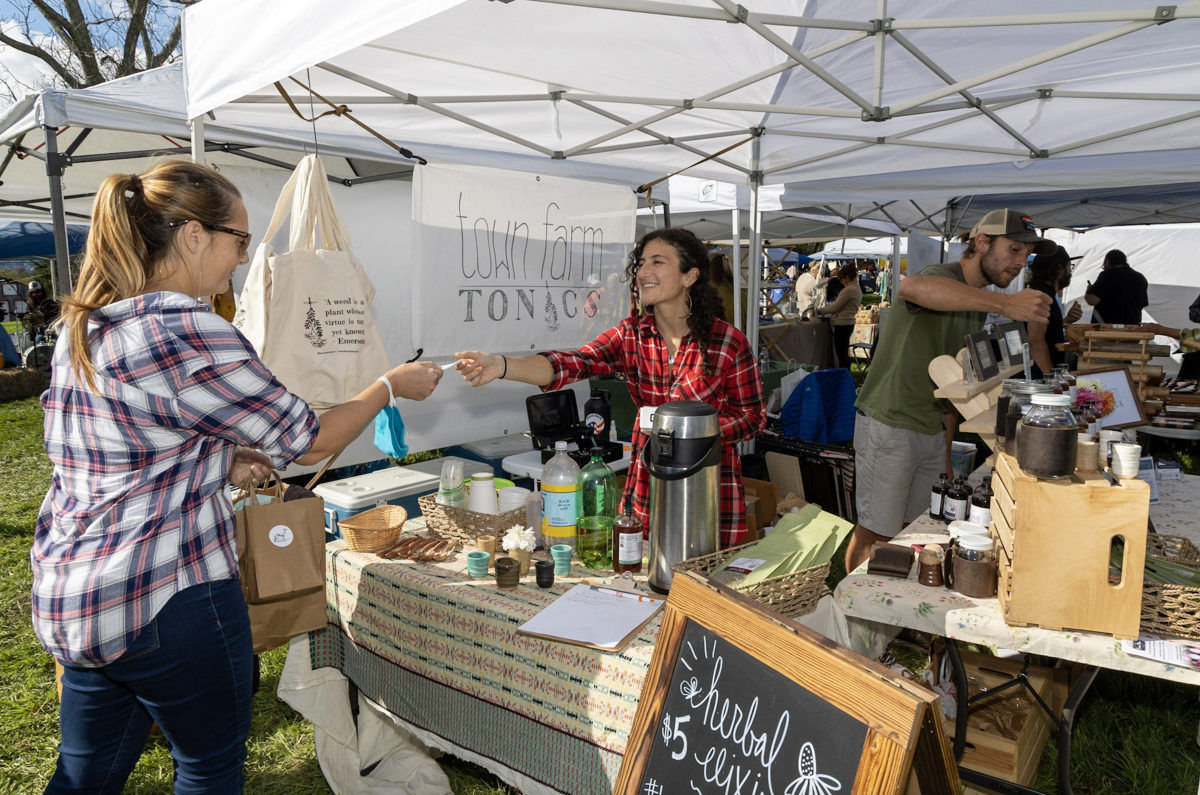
{"x": 389, "y": 427}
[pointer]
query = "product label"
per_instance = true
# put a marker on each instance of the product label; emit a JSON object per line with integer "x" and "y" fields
{"x": 981, "y": 516}
{"x": 595, "y": 422}
{"x": 281, "y": 535}
{"x": 744, "y": 565}
{"x": 955, "y": 510}
{"x": 935, "y": 504}
{"x": 560, "y": 510}
{"x": 629, "y": 548}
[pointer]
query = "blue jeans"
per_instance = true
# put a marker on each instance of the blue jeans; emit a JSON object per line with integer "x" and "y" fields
{"x": 189, "y": 671}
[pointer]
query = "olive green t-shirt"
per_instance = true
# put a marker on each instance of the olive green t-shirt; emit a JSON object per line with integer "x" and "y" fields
{"x": 899, "y": 391}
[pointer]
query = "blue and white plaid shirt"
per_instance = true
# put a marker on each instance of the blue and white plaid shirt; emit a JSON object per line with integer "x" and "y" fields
{"x": 137, "y": 508}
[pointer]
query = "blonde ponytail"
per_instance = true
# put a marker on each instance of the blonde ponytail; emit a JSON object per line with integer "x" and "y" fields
{"x": 131, "y": 238}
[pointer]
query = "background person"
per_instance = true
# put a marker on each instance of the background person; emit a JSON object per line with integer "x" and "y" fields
{"x": 806, "y": 285}
{"x": 1050, "y": 274}
{"x": 1119, "y": 293}
{"x": 155, "y": 403}
{"x": 902, "y": 434}
{"x": 679, "y": 348}
{"x": 842, "y": 311}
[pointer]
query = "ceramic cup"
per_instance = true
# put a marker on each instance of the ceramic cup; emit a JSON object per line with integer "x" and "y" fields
{"x": 508, "y": 572}
{"x": 477, "y": 563}
{"x": 1085, "y": 455}
{"x": 562, "y": 559}
{"x": 545, "y": 573}
{"x": 1126, "y": 458}
{"x": 488, "y": 545}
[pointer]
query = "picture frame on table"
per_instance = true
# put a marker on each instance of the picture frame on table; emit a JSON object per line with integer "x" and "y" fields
{"x": 1012, "y": 339}
{"x": 983, "y": 360}
{"x": 1117, "y": 380}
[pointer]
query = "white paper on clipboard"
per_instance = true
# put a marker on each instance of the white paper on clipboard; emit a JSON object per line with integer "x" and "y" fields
{"x": 591, "y": 615}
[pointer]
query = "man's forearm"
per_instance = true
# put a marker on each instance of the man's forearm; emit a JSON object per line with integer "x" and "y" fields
{"x": 948, "y": 295}
{"x": 1040, "y": 352}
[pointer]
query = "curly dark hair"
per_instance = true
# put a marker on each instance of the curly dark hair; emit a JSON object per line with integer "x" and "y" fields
{"x": 706, "y": 302}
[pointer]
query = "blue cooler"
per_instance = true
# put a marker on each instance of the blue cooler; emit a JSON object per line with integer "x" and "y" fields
{"x": 392, "y": 486}
{"x": 492, "y": 452}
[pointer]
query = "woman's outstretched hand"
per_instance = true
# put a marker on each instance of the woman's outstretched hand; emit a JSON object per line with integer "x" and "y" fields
{"x": 479, "y": 368}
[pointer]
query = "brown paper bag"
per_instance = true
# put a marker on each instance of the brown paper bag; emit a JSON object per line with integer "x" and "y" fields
{"x": 275, "y": 623}
{"x": 281, "y": 548}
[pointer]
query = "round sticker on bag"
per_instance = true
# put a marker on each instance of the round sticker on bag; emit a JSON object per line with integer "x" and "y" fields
{"x": 280, "y": 535}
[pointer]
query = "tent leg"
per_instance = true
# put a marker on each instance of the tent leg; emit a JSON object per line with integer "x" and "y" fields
{"x": 736, "y": 266}
{"x": 198, "y": 152}
{"x": 754, "y": 291}
{"x": 62, "y": 253}
{"x": 895, "y": 280}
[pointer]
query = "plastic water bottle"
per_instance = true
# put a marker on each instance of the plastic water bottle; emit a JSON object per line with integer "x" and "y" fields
{"x": 598, "y": 489}
{"x": 560, "y": 498}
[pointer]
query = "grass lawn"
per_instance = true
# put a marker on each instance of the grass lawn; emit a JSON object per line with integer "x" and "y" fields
{"x": 1133, "y": 735}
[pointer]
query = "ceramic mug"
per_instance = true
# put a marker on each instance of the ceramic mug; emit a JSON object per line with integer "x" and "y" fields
{"x": 562, "y": 559}
{"x": 508, "y": 572}
{"x": 477, "y": 563}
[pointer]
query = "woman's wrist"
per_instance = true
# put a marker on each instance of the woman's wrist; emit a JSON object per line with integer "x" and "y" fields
{"x": 505, "y": 371}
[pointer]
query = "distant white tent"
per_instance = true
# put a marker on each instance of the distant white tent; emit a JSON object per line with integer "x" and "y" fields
{"x": 854, "y": 248}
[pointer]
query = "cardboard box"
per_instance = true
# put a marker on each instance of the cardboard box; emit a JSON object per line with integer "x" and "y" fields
{"x": 766, "y": 499}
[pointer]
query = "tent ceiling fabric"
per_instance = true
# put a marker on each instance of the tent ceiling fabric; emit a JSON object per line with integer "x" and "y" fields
{"x": 1046, "y": 94}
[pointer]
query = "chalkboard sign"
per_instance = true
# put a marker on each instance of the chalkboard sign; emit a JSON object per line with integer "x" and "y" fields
{"x": 742, "y": 701}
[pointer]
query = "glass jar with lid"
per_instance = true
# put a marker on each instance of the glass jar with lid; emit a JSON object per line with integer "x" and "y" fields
{"x": 971, "y": 566}
{"x": 1019, "y": 404}
{"x": 1002, "y": 408}
{"x": 1048, "y": 438}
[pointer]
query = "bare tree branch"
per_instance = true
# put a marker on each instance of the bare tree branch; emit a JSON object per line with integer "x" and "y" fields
{"x": 37, "y": 52}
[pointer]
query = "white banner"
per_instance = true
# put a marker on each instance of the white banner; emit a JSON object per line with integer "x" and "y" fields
{"x": 513, "y": 262}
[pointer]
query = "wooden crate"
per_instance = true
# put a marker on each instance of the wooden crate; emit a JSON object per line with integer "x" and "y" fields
{"x": 988, "y": 751}
{"x": 1055, "y": 541}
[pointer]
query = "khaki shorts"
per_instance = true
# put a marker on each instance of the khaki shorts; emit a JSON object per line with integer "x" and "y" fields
{"x": 894, "y": 473}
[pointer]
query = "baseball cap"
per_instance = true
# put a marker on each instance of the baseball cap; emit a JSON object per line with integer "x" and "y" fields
{"x": 35, "y": 285}
{"x": 1015, "y": 226}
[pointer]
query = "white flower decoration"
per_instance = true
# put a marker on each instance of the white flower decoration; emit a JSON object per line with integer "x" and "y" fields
{"x": 519, "y": 537}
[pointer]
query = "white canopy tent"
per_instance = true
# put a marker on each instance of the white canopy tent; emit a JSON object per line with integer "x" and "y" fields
{"x": 857, "y": 248}
{"x": 844, "y": 100}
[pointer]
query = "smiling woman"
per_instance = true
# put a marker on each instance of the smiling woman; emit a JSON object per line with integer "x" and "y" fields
{"x": 677, "y": 347}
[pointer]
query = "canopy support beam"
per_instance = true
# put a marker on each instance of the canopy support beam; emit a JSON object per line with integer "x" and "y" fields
{"x": 1154, "y": 125}
{"x": 754, "y": 257}
{"x": 197, "y": 127}
{"x": 736, "y": 267}
{"x": 62, "y": 251}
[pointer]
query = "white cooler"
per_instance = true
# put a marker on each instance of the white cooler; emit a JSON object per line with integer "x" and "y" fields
{"x": 392, "y": 486}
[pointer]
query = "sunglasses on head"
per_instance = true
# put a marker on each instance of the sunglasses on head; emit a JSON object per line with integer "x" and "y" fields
{"x": 243, "y": 237}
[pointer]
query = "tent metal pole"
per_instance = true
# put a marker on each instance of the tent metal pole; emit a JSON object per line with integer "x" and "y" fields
{"x": 1125, "y": 95}
{"x": 713, "y": 104}
{"x": 1022, "y": 65}
{"x": 1127, "y": 131}
{"x": 755, "y": 253}
{"x": 675, "y": 10}
{"x": 414, "y": 100}
{"x": 197, "y": 127}
{"x": 736, "y": 267}
{"x": 12, "y": 151}
{"x": 895, "y": 280}
{"x": 756, "y": 24}
{"x": 62, "y": 251}
{"x": 880, "y": 44}
{"x": 1047, "y": 19}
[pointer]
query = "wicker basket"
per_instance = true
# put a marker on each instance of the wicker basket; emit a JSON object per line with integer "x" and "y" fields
{"x": 462, "y": 525}
{"x": 375, "y": 529}
{"x": 790, "y": 594}
{"x": 1171, "y": 610}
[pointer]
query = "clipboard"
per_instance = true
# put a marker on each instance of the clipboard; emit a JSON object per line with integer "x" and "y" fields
{"x": 587, "y": 611}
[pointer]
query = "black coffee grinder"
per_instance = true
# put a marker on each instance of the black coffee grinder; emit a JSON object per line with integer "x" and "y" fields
{"x": 554, "y": 417}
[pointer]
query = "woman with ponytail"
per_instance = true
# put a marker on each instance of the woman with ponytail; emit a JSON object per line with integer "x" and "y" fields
{"x": 155, "y": 403}
{"x": 679, "y": 347}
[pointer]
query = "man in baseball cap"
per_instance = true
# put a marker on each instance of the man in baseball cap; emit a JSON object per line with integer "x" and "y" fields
{"x": 902, "y": 434}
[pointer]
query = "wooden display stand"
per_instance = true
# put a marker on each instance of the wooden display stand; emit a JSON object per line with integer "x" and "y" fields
{"x": 1055, "y": 544}
{"x": 974, "y": 400}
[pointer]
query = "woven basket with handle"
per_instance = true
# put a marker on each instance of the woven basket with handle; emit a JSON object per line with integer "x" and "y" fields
{"x": 375, "y": 529}
{"x": 1172, "y": 610}
{"x": 462, "y": 525}
{"x": 792, "y": 594}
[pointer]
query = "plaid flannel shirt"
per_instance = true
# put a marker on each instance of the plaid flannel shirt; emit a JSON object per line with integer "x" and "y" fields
{"x": 636, "y": 348}
{"x": 137, "y": 508}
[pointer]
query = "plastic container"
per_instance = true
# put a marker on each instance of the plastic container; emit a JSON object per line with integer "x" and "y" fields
{"x": 1048, "y": 438}
{"x": 492, "y": 452}
{"x": 392, "y": 486}
{"x": 962, "y": 458}
{"x": 560, "y": 499}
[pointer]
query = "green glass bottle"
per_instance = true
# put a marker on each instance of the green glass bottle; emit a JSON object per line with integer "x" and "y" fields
{"x": 598, "y": 493}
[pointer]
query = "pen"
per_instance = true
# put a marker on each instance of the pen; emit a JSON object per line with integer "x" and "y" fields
{"x": 623, "y": 594}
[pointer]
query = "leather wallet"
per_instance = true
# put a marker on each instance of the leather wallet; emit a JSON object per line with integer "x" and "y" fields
{"x": 890, "y": 560}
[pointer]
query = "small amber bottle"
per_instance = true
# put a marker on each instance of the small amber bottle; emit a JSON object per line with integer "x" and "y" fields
{"x": 627, "y": 541}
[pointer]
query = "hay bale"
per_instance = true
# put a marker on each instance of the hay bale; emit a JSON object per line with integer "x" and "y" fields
{"x": 17, "y": 383}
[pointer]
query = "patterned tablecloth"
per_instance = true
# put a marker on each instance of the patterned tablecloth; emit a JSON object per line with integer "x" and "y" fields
{"x": 878, "y": 607}
{"x": 441, "y": 652}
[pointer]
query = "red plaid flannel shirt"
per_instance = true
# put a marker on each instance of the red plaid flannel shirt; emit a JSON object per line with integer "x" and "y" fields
{"x": 636, "y": 348}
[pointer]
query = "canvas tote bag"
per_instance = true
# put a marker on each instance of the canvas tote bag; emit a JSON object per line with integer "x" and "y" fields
{"x": 281, "y": 559}
{"x": 307, "y": 312}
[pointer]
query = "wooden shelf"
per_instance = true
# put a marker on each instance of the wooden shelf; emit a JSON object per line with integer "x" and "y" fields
{"x": 982, "y": 423}
{"x": 966, "y": 391}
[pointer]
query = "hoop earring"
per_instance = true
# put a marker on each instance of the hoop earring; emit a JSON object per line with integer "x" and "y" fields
{"x": 687, "y": 304}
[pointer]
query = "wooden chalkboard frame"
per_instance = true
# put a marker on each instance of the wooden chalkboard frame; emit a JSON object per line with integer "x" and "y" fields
{"x": 904, "y": 735}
